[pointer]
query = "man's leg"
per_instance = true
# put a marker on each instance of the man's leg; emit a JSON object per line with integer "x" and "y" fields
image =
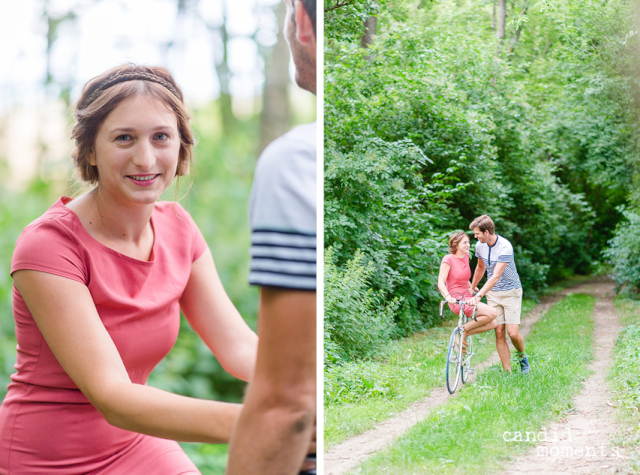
{"x": 512, "y": 310}
{"x": 493, "y": 299}
{"x": 503, "y": 348}
{"x": 516, "y": 338}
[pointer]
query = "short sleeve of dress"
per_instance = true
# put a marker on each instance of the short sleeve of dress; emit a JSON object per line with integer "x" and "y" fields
{"x": 445, "y": 259}
{"x": 198, "y": 242}
{"x": 48, "y": 247}
{"x": 283, "y": 213}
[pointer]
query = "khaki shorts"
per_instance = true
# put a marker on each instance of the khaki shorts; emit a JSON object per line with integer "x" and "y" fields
{"x": 508, "y": 303}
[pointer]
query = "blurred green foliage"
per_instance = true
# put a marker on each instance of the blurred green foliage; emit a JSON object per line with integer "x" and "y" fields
{"x": 624, "y": 253}
{"x": 216, "y": 194}
{"x": 436, "y": 123}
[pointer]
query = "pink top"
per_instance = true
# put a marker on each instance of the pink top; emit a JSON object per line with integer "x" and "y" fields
{"x": 46, "y": 423}
{"x": 459, "y": 275}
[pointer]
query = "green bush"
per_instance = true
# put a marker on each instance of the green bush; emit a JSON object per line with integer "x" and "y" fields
{"x": 428, "y": 128}
{"x": 358, "y": 322}
{"x": 624, "y": 252}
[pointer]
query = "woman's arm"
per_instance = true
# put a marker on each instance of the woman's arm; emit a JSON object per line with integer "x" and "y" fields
{"x": 210, "y": 312}
{"x": 442, "y": 279}
{"x": 66, "y": 315}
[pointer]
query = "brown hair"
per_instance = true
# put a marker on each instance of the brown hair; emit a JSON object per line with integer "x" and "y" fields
{"x": 454, "y": 241}
{"x": 102, "y": 94}
{"x": 310, "y": 8}
{"x": 484, "y": 223}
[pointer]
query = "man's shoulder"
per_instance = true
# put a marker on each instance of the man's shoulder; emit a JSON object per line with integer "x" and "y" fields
{"x": 481, "y": 247}
{"x": 505, "y": 244}
{"x": 297, "y": 144}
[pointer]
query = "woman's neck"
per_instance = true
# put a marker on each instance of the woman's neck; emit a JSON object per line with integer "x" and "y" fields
{"x": 119, "y": 221}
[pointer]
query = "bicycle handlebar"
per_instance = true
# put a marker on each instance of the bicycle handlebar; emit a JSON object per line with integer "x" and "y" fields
{"x": 461, "y": 302}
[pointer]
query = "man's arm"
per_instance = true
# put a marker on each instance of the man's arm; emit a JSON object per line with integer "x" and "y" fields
{"x": 478, "y": 273}
{"x": 497, "y": 273}
{"x": 275, "y": 428}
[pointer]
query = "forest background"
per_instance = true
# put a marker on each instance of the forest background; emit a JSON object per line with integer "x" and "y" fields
{"x": 439, "y": 111}
{"x": 234, "y": 67}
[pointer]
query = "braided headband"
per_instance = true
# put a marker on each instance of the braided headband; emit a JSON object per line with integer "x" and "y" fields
{"x": 129, "y": 76}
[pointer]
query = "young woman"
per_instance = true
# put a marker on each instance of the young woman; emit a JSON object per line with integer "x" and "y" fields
{"x": 99, "y": 282}
{"x": 453, "y": 283}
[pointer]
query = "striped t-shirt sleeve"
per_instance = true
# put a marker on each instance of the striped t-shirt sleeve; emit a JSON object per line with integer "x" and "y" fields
{"x": 283, "y": 259}
{"x": 283, "y": 213}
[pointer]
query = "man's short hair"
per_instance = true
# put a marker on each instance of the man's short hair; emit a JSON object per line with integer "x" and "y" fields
{"x": 484, "y": 223}
{"x": 310, "y": 8}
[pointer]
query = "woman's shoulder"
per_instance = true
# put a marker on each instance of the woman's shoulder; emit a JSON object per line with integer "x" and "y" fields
{"x": 50, "y": 242}
{"x": 57, "y": 222}
{"x": 176, "y": 226}
{"x": 172, "y": 213}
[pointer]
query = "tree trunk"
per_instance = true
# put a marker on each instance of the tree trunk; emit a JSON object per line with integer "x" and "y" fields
{"x": 502, "y": 17}
{"x": 224, "y": 78}
{"x": 370, "y": 28}
{"x": 500, "y": 30}
{"x": 276, "y": 117}
{"x": 493, "y": 18}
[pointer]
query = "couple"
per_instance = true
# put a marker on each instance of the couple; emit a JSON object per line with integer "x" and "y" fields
{"x": 502, "y": 289}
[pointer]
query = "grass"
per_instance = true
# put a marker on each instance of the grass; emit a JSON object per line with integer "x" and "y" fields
{"x": 412, "y": 368}
{"x": 563, "y": 284}
{"x": 624, "y": 378}
{"x": 467, "y": 433}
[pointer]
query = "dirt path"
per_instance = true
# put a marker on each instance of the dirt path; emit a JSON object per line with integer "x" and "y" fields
{"x": 355, "y": 450}
{"x": 581, "y": 442}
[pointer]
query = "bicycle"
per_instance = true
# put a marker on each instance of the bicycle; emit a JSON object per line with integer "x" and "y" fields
{"x": 458, "y": 362}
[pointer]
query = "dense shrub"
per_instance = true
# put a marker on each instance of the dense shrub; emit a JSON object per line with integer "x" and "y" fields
{"x": 357, "y": 320}
{"x": 624, "y": 252}
{"x": 428, "y": 128}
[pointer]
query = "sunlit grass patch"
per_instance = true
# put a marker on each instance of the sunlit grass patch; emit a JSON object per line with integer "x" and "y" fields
{"x": 624, "y": 377}
{"x": 469, "y": 432}
{"x": 366, "y": 393}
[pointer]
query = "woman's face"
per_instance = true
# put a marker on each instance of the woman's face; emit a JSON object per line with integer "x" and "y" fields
{"x": 464, "y": 245}
{"x": 136, "y": 150}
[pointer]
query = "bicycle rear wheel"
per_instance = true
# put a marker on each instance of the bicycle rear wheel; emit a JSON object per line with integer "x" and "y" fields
{"x": 454, "y": 358}
{"x": 466, "y": 362}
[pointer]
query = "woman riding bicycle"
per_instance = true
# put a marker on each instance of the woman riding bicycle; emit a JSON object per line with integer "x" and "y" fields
{"x": 454, "y": 284}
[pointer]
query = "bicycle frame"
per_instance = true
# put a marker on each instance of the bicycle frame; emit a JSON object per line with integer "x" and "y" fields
{"x": 459, "y": 363}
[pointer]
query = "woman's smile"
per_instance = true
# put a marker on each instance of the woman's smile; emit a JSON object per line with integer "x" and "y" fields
{"x": 136, "y": 150}
{"x": 143, "y": 180}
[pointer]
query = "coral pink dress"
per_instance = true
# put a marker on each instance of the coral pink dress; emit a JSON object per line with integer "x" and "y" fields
{"x": 457, "y": 280}
{"x": 47, "y": 425}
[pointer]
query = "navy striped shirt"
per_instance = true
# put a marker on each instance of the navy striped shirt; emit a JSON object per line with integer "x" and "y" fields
{"x": 282, "y": 211}
{"x": 501, "y": 251}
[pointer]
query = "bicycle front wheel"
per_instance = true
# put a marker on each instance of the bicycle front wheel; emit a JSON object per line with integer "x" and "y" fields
{"x": 466, "y": 362}
{"x": 454, "y": 358}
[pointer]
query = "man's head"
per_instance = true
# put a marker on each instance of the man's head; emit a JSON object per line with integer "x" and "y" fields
{"x": 483, "y": 228}
{"x": 300, "y": 31}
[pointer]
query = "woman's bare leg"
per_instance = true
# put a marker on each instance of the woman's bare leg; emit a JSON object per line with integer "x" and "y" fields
{"x": 486, "y": 316}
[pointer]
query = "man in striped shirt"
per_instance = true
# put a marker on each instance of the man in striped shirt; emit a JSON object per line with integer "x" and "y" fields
{"x": 276, "y": 427}
{"x": 503, "y": 288}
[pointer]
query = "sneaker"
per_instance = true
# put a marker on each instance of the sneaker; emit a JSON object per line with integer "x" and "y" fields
{"x": 524, "y": 365}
